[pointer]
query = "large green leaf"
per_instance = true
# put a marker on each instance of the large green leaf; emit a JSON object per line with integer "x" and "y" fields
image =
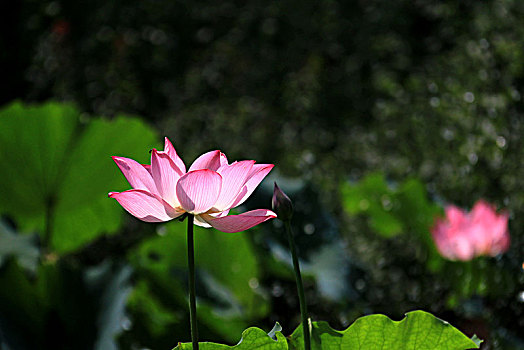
{"x": 252, "y": 339}
{"x": 418, "y": 330}
{"x": 55, "y": 159}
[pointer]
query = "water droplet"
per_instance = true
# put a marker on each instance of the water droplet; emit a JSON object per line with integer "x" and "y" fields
{"x": 253, "y": 283}
{"x": 309, "y": 229}
{"x": 432, "y": 87}
{"x": 448, "y": 134}
{"x": 360, "y": 284}
{"x": 515, "y": 95}
{"x": 386, "y": 202}
{"x": 277, "y": 291}
{"x": 501, "y": 141}
{"x": 469, "y": 97}
{"x": 161, "y": 230}
{"x": 434, "y": 102}
{"x": 473, "y": 158}
{"x": 126, "y": 324}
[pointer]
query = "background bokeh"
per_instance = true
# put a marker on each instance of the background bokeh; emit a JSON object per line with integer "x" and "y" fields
{"x": 375, "y": 113}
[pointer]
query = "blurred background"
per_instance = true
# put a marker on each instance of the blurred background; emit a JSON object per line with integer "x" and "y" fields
{"x": 375, "y": 113}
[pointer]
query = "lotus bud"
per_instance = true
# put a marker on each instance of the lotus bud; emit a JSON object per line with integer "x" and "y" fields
{"x": 282, "y": 205}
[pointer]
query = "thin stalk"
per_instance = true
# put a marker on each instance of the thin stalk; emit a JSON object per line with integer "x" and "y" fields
{"x": 300, "y": 287}
{"x": 191, "y": 266}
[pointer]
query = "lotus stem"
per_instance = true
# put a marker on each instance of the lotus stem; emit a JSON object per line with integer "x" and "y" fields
{"x": 300, "y": 286}
{"x": 191, "y": 267}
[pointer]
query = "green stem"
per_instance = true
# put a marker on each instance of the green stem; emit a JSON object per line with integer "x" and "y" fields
{"x": 191, "y": 266}
{"x": 300, "y": 287}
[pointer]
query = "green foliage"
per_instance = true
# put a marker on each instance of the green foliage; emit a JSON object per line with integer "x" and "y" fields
{"x": 394, "y": 209}
{"x": 373, "y": 196}
{"x": 404, "y": 209}
{"x": 325, "y": 90}
{"x": 418, "y": 330}
{"x": 58, "y": 169}
{"x": 479, "y": 277}
{"x": 227, "y": 277}
{"x": 252, "y": 338}
{"x": 61, "y": 306}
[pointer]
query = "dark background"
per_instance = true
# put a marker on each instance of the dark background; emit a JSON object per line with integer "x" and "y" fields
{"x": 330, "y": 92}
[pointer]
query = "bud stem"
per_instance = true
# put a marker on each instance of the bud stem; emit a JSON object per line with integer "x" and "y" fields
{"x": 300, "y": 286}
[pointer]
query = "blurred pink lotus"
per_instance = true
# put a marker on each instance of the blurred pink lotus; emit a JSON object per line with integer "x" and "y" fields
{"x": 463, "y": 236}
{"x": 211, "y": 187}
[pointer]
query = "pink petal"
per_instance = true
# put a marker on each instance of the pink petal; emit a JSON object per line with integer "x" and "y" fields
{"x": 237, "y": 223}
{"x": 145, "y": 206}
{"x": 165, "y": 174}
{"x": 490, "y": 229}
{"x": 210, "y": 160}
{"x": 137, "y": 176}
{"x": 234, "y": 177}
{"x": 170, "y": 150}
{"x": 500, "y": 246}
{"x": 482, "y": 207}
{"x": 218, "y": 214}
{"x": 455, "y": 215}
{"x": 148, "y": 168}
{"x": 500, "y": 238}
{"x": 462, "y": 248}
{"x": 477, "y": 235}
{"x": 438, "y": 232}
{"x": 255, "y": 177}
{"x": 198, "y": 190}
{"x": 201, "y": 222}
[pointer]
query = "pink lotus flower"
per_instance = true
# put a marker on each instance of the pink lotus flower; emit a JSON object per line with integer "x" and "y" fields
{"x": 211, "y": 187}
{"x": 463, "y": 236}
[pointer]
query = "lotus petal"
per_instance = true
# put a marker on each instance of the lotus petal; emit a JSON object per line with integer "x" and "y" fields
{"x": 198, "y": 190}
{"x": 145, "y": 206}
{"x": 241, "y": 222}
{"x": 165, "y": 174}
{"x": 211, "y": 160}
{"x": 170, "y": 150}
{"x": 234, "y": 177}
{"x": 135, "y": 173}
{"x": 255, "y": 177}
